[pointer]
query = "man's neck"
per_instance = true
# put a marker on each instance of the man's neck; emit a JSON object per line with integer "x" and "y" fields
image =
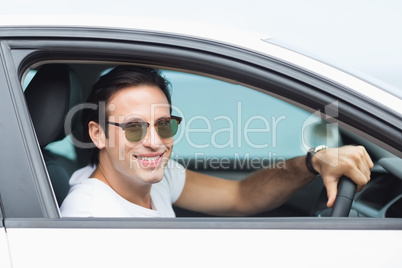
{"x": 139, "y": 194}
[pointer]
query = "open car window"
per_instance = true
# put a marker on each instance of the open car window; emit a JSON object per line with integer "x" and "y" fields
{"x": 230, "y": 130}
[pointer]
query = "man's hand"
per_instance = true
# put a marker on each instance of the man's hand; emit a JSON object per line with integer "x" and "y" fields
{"x": 351, "y": 161}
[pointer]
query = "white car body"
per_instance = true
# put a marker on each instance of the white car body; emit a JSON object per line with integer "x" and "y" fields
{"x": 203, "y": 248}
{"x": 278, "y": 243}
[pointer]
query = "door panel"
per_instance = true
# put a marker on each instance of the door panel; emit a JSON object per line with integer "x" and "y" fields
{"x": 100, "y": 247}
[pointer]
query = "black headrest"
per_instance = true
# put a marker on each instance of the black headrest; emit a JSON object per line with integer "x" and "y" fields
{"x": 52, "y": 92}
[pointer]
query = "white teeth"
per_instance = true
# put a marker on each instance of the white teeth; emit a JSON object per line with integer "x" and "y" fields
{"x": 148, "y": 158}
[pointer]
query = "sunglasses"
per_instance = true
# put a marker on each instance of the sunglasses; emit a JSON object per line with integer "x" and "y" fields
{"x": 135, "y": 131}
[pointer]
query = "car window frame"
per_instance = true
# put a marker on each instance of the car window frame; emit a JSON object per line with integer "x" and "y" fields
{"x": 160, "y": 50}
{"x": 24, "y": 163}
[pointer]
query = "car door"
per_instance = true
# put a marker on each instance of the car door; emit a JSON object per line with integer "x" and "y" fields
{"x": 37, "y": 236}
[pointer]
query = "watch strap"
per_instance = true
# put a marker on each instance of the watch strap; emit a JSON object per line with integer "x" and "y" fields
{"x": 309, "y": 158}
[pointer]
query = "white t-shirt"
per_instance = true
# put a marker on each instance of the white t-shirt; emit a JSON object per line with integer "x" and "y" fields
{"x": 90, "y": 197}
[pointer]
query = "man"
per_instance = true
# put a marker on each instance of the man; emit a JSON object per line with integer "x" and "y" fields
{"x": 131, "y": 174}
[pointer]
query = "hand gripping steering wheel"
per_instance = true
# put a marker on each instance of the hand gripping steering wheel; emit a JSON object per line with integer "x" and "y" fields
{"x": 344, "y": 198}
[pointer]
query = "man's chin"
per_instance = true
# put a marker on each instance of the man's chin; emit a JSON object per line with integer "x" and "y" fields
{"x": 152, "y": 175}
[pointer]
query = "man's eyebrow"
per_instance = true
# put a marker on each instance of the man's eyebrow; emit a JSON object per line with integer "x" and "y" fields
{"x": 130, "y": 119}
{"x": 162, "y": 118}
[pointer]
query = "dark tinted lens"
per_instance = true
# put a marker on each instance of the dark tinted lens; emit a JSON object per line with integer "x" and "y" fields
{"x": 167, "y": 128}
{"x": 135, "y": 131}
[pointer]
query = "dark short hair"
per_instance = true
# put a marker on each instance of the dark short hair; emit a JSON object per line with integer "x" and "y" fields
{"x": 108, "y": 86}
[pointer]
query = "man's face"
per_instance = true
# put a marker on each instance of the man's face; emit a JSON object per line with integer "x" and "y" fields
{"x": 143, "y": 161}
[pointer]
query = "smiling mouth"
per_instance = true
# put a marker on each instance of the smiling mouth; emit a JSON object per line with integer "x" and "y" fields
{"x": 148, "y": 158}
{"x": 148, "y": 161}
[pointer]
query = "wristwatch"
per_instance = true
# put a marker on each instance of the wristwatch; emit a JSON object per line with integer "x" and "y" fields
{"x": 309, "y": 158}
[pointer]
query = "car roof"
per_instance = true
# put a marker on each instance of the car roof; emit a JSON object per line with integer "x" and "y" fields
{"x": 253, "y": 41}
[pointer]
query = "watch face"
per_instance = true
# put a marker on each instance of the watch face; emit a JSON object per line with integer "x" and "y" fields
{"x": 321, "y": 147}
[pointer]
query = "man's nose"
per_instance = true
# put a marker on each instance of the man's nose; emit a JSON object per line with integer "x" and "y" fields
{"x": 152, "y": 138}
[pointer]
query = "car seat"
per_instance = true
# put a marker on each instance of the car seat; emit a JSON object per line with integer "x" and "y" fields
{"x": 53, "y": 91}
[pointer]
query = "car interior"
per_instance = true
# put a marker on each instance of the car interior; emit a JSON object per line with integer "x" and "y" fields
{"x": 53, "y": 89}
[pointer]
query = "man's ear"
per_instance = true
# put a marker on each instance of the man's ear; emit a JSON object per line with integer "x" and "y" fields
{"x": 97, "y": 134}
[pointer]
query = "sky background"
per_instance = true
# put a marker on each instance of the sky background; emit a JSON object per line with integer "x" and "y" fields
{"x": 358, "y": 35}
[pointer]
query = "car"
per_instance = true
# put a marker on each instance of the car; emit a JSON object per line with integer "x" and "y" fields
{"x": 246, "y": 102}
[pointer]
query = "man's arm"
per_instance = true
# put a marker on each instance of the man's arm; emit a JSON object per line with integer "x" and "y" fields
{"x": 269, "y": 188}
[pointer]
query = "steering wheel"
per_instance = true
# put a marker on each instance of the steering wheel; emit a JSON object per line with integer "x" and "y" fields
{"x": 344, "y": 198}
